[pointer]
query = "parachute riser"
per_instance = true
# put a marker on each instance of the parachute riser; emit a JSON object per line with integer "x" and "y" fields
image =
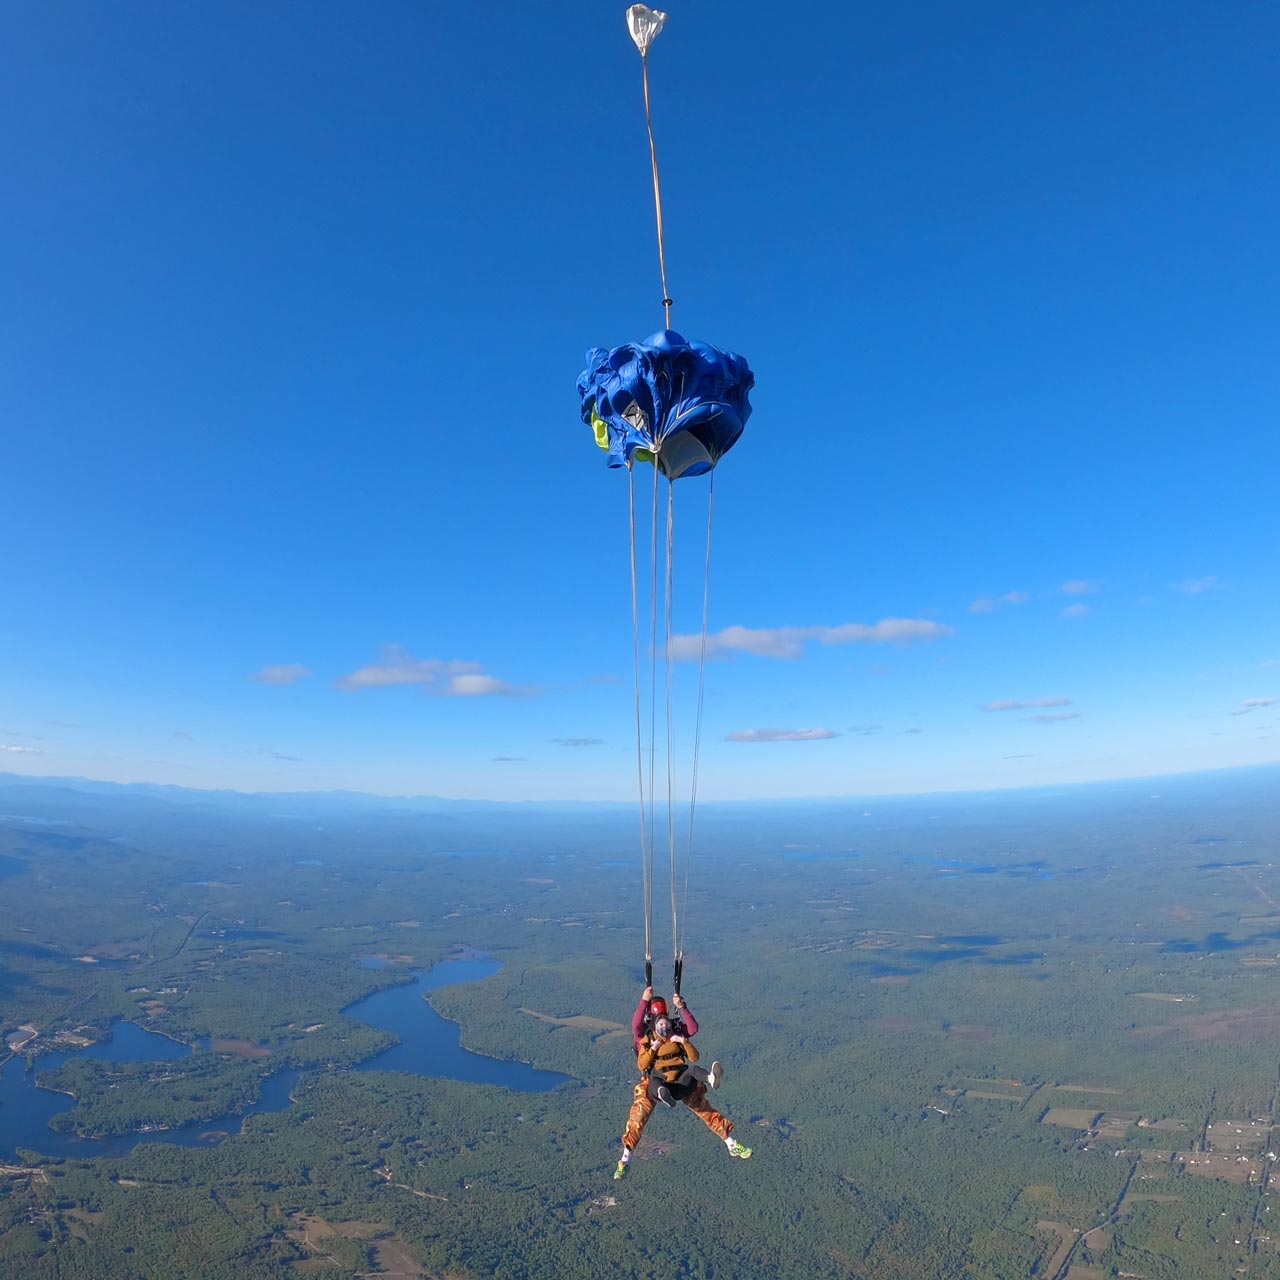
{"x": 667, "y": 302}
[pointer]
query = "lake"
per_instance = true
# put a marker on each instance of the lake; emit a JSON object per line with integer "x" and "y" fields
{"x": 430, "y": 1046}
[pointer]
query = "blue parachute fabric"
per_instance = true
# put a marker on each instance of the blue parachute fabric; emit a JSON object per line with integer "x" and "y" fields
{"x": 684, "y": 402}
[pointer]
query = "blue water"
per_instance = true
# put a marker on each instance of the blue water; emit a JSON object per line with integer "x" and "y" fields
{"x": 1215, "y": 943}
{"x": 25, "y": 1109}
{"x": 430, "y": 1046}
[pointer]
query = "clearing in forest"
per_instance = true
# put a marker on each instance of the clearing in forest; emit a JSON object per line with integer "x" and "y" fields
{"x": 578, "y": 1021}
{"x": 1070, "y": 1117}
{"x": 1067, "y": 1242}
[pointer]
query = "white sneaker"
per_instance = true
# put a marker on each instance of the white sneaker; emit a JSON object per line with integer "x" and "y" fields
{"x": 715, "y": 1075}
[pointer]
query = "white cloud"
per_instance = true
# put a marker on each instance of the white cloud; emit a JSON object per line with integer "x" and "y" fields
{"x": 1197, "y": 586}
{"x": 578, "y": 742}
{"x": 780, "y": 735}
{"x": 789, "y": 642}
{"x": 509, "y": 759}
{"x": 1252, "y": 704}
{"x": 183, "y": 734}
{"x": 452, "y": 678}
{"x": 477, "y": 685}
{"x": 281, "y": 673}
{"x": 1076, "y": 611}
{"x": 21, "y": 751}
{"x": 1054, "y": 716}
{"x": 1014, "y": 704}
{"x": 1080, "y": 587}
{"x": 988, "y": 604}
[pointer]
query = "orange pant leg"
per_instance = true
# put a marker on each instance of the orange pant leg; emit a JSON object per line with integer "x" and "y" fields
{"x": 697, "y": 1102}
{"x": 641, "y": 1109}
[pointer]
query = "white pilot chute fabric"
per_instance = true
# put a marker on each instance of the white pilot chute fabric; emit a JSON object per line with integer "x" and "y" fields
{"x": 644, "y": 24}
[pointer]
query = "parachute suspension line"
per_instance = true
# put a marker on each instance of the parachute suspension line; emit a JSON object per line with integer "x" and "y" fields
{"x": 657, "y": 193}
{"x": 653, "y": 673}
{"x": 697, "y": 731}
{"x": 646, "y": 856}
{"x": 671, "y": 811}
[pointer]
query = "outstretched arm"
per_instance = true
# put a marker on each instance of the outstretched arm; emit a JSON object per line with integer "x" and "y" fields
{"x": 686, "y": 1016}
{"x": 637, "y": 1020}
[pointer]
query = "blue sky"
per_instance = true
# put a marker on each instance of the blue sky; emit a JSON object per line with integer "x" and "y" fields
{"x": 292, "y": 303}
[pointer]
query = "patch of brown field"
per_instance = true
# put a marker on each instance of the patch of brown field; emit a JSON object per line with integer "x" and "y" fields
{"x": 154, "y": 1007}
{"x": 1169, "y": 997}
{"x": 1179, "y": 912}
{"x": 127, "y": 1182}
{"x": 1132, "y": 1199}
{"x": 1076, "y": 1272}
{"x": 115, "y": 950}
{"x": 971, "y": 1032}
{"x": 240, "y": 1048}
{"x": 1115, "y": 1124}
{"x": 1067, "y": 1239}
{"x": 392, "y": 1258}
{"x": 1170, "y": 1125}
{"x": 1097, "y": 1240}
{"x": 892, "y": 980}
{"x": 315, "y": 1026}
{"x": 897, "y": 1022}
{"x": 991, "y": 1097}
{"x": 1257, "y": 1023}
{"x": 578, "y": 1021}
{"x": 1008, "y": 1084}
{"x": 1070, "y": 1117}
{"x": 1230, "y": 1168}
{"x": 312, "y": 1228}
{"x": 358, "y": 1230}
{"x": 1258, "y": 962}
{"x": 1088, "y": 1088}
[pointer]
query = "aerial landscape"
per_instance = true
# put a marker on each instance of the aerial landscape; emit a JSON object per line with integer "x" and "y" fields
{"x": 412, "y": 809}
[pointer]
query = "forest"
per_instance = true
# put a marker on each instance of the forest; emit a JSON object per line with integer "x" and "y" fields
{"x": 981, "y": 1036}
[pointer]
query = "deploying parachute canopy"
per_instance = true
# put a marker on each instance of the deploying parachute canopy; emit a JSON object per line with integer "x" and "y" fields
{"x": 644, "y": 24}
{"x": 681, "y": 403}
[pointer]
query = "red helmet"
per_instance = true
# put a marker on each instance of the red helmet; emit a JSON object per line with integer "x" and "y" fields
{"x": 657, "y": 1007}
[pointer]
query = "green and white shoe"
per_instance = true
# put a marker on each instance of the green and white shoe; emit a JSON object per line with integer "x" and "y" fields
{"x": 620, "y": 1171}
{"x": 743, "y": 1153}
